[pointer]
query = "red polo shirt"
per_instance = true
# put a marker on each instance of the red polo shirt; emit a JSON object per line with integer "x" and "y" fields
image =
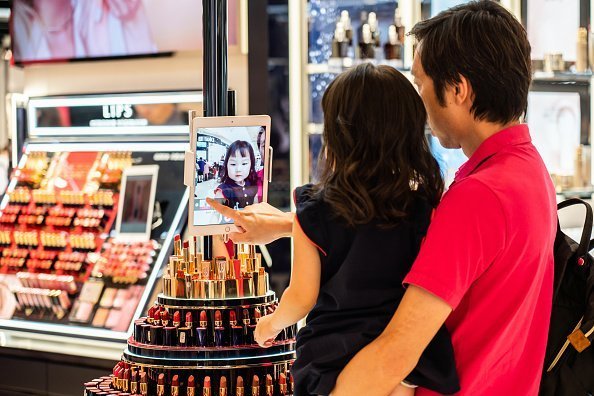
{"x": 489, "y": 254}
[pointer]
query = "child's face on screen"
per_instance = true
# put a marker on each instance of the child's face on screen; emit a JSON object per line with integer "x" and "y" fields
{"x": 238, "y": 167}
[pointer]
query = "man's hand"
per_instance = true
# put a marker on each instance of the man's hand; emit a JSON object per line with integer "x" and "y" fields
{"x": 258, "y": 224}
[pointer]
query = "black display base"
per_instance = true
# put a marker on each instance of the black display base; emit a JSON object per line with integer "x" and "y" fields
{"x": 197, "y": 304}
{"x": 210, "y": 359}
{"x": 199, "y": 356}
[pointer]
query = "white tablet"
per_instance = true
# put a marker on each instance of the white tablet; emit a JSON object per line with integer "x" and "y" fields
{"x": 136, "y": 203}
{"x": 229, "y": 160}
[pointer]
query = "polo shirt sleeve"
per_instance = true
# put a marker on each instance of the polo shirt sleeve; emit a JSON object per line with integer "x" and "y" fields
{"x": 466, "y": 235}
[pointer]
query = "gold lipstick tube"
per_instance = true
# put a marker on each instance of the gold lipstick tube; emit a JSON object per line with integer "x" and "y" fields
{"x": 248, "y": 287}
{"x": 251, "y": 264}
{"x": 205, "y": 270}
{"x": 195, "y": 287}
{"x": 262, "y": 285}
{"x": 217, "y": 289}
{"x": 204, "y": 289}
{"x": 167, "y": 283}
{"x": 143, "y": 388}
{"x": 231, "y": 270}
{"x": 197, "y": 262}
{"x": 231, "y": 288}
{"x": 177, "y": 247}
{"x": 189, "y": 286}
{"x": 221, "y": 267}
{"x": 258, "y": 261}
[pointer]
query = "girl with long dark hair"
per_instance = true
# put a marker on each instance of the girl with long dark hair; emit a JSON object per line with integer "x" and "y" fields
{"x": 358, "y": 230}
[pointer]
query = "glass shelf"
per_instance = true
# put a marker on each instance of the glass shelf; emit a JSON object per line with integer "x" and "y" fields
{"x": 338, "y": 65}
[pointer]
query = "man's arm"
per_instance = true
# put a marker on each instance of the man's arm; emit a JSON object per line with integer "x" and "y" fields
{"x": 258, "y": 224}
{"x": 379, "y": 367}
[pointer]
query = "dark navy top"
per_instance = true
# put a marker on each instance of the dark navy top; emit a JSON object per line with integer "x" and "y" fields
{"x": 237, "y": 196}
{"x": 360, "y": 289}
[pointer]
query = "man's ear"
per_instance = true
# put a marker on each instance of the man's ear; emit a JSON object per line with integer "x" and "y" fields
{"x": 462, "y": 91}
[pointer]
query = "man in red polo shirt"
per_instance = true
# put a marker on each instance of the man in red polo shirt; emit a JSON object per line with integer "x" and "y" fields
{"x": 486, "y": 265}
{"x": 485, "y": 268}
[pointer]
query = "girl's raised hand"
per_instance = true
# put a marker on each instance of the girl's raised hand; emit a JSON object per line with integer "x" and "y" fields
{"x": 258, "y": 224}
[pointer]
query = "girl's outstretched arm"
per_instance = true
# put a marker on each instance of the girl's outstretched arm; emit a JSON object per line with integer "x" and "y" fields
{"x": 301, "y": 295}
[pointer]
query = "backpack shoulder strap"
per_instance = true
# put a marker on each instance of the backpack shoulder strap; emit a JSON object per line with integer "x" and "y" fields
{"x": 584, "y": 246}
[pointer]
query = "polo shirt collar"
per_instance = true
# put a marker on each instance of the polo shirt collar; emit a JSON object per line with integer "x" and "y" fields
{"x": 514, "y": 135}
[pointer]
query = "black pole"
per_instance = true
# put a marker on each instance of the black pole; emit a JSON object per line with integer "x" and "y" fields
{"x": 214, "y": 74}
{"x": 214, "y": 29}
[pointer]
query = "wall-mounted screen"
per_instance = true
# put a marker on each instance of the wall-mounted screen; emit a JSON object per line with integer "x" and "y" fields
{"x": 59, "y": 30}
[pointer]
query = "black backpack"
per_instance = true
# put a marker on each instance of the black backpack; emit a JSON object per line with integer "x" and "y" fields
{"x": 569, "y": 362}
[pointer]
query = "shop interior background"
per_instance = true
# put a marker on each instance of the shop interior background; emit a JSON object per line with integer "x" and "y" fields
{"x": 559, "y": 112}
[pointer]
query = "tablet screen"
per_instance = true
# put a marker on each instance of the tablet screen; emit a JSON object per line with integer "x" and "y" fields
{"x": 229, "y": 167}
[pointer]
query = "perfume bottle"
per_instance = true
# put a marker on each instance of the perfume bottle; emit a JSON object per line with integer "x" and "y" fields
{"x": 581, "y": 62}
{"x": 393, "y": 49}
{"x": 362, "y": 21}
{"x": 340, "y": 44}
{"x": 374, "y": 26}
{"x": 348, "y": 27}
{"x": 399, "y": 26}
{"x": 366, "y": 45}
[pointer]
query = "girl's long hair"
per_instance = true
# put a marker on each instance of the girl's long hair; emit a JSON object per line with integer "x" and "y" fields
{"x": 375, "y": 156}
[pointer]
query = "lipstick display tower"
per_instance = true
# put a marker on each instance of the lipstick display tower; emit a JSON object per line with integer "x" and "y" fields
{"x": 204, "y": 345}
{"x": 198, "y": 337}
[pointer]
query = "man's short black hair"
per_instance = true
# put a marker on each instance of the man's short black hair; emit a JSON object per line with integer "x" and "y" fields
{"x": 486, "y": 44}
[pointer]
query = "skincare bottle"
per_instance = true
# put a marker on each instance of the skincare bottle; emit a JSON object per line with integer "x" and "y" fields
{"x": 374, "y": 27}
{"x": 345, "y": 18}
{"x": 366, "y": 46}
{"x": 399, "y": 26}
{"x": 393, "y": 49}
{"x": 340, "y": 44}
{"x": 581, "y": 62}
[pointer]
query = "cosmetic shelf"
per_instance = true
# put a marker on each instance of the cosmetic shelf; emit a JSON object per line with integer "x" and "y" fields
{"x": 359, "y": 3}
{"x": 338, "y": 65}
{"x": 562, "y": 76}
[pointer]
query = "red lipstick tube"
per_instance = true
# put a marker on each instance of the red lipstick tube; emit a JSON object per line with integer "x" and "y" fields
{"x": 191, "y": 391}
{"x": 201, "y": 330}
{"x": 219, "y": 329}
{"x": 161, "y": 385}
{"x": 206, "y": 387}
{"x": 175, "y": 385}
{"x": 223, "y": 386}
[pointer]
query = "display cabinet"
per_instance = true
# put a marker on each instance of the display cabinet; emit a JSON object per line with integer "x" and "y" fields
{"x": 70, "y": 284}
{"x": 326, "y": 38}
